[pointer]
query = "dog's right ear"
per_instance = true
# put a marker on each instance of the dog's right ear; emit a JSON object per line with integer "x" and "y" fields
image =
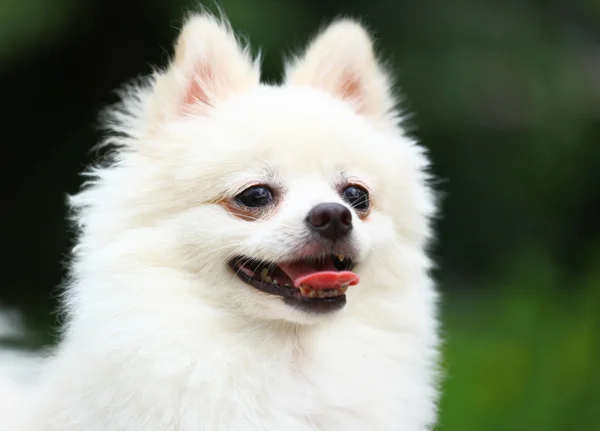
{"x": 341, "y": 61}
{"x": 209, "y": 65}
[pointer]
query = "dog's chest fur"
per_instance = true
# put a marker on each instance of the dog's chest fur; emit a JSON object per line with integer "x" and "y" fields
{"x": 345, "y": 377}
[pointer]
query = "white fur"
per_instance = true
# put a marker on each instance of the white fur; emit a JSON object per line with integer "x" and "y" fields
{"x": 162, "y": 336}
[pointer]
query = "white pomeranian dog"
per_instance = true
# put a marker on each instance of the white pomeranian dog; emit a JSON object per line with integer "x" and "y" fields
{"x": 254, "y": 257}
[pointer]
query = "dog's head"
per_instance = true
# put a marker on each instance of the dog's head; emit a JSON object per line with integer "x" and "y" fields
{"x": 279, "y": 200}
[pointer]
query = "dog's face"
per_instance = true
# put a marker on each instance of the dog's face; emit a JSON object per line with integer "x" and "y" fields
{"x": 281, "y": 200}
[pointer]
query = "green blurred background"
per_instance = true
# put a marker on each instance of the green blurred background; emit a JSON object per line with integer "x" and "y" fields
{"x": 505, "y": 94}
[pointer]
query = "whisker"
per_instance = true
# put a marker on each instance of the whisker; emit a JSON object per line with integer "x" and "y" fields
{"x": 235, "y": 274}
{"x": 191, "y": 255}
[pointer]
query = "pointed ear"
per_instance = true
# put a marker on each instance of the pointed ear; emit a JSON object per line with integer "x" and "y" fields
{"x": 209, "y": 66}
{"x": 341, "y": 61}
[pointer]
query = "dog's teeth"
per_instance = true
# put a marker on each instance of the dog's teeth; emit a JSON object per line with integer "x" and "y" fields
{"x": 275, "y": 281}
{"x": 264, "y": 273}
{"x": 304, "y": 289}
{"x": 341, "y": 257}
{"x": 309, "y": 292}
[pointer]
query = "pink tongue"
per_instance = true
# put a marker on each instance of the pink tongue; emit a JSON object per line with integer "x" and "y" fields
{"x": 302, "y": 273}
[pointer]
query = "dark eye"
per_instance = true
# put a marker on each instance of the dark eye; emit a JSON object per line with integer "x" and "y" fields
{"x": 254, "y": 197}
{"x": 357, "y": 197}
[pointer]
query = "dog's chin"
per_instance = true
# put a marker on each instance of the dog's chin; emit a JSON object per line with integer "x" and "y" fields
{"x": 309, "y": 287}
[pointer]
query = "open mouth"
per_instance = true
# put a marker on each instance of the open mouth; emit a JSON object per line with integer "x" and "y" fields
{"x": 315, "y": 285}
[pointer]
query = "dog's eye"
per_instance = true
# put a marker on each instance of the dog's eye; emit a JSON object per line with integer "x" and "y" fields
{"x": 256, "y": 196}
{"x": 357, "y": 197}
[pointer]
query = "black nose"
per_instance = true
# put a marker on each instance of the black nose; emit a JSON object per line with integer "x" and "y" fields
{"x": 330, "y": 220}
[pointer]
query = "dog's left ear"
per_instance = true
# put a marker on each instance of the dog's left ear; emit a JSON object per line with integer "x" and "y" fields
{"x": 341, "y": 61}
{"x": 209, "y": 66}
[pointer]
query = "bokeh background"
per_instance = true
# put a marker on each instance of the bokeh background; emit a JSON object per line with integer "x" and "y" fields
{"x": 505, "y": 94}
